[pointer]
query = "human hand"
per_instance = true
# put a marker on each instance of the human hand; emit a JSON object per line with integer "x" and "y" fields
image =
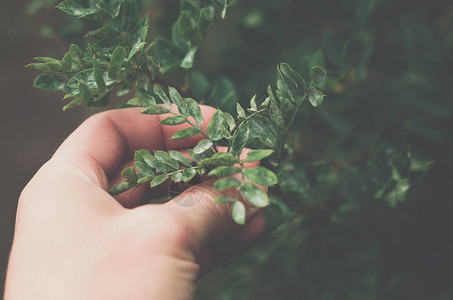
{"x": 74, "y": 241}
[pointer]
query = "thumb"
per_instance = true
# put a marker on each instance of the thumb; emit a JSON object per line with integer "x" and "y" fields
{"x": 206, "y": 222}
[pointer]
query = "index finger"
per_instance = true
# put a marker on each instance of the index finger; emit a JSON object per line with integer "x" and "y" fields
{"x": 106, "y": 139}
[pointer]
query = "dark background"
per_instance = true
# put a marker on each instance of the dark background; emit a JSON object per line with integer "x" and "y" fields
{"x": 32, "y": 123}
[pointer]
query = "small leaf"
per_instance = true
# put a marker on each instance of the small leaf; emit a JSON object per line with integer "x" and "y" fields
{"x": 275, "y": 112}
{"x": 195, "y": 111}
{"x": 121, "y": 187}
{"x": 177, "y": 99}
{"x": 240, "y": 110}
{"x": 238, "y": 212}
{"x": 155, "y": 110}
{"x": 240, "y": 139}
{"x": 137, "y": 47}
{"x": 318, "y": 74}
{"x": 85, "y": 91}
{"x": 214, "y": 129}
{"x": 202, "y": 146}
{"x": 141, "y": 102}
{"x": 219, "y": 159}
{"x": 116, "y": 62}
{"x": 186, "y": 133}
{"x": 261, "y": 176}
{"x": 224, "y": 199}
{"x": 187, "y": 61}
{"x": 129, "y": 174}
{"x": 225, "y": 171}
{"x": 256, "y": 155}
{"x": 139, "y": 154}
{"x": 253, "y": 104}
{"x": 176, "y": 120}
{"x": 142, "y": 179}
{"x": 144, "y": 168}
{"x": 49, "y": 83}
{"x": 177, "y": 176}
{"x": 160, "y": 92}
{"x": 66, "y": 62}
{"x": 165, "y": 158}
{"x": 180, "y": 158}
{"x": 155, "y": 163}
{"x": 315, "y": 97}
{"x": 158, "y": 180}
{"x": 226, "y": 183}
{"x": 255, "y": 195}
{"x": 98, "y": 75}
{"x": 188, "y": 174}
{"x": 74, "y": 103}
{"x": 293, "y": 76}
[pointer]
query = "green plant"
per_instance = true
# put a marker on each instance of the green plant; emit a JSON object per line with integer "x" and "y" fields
{"x": 120, "y": 59}
{"x": 356, "y": 213}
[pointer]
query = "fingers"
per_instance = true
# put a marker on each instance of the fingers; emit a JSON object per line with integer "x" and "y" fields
{"x": 100, "y": 144}
{"x": 230, "y": 247}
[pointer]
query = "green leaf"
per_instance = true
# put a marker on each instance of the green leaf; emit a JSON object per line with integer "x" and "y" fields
{"x": 256, "y": 155}
{"x": 318, "y": 74}
{"x": 240, "y": 139}
{"x": 177, "y": 176}
{"x": 180, "y": 158}
{"x": 224, "y": 199}
{"x": 261, "y": 176}
{"x": 88, "y": 77}
{"x": 219, "y": 159}
{"x": 85, "y": 91}
{"x": 66, "y": 62}
{"x": 159, "y": 180}
{"x": 116, "y": 62}
{"x": 255, "y": 195}
{"x": 186, "y": 133}
{"x": 202, "y": 146}
{"x": 74, "y": 103}
{"x": 98, "y": 75}
{"x": 165, "y": 158}
{"x": 275, "y": 112}
{"x": 129, "y": 174}
{"x": 77, "y": 9}
{"x": 177, "y": 99}
{"x": 225, "y": 171}
{"x": 240, "y": 110}
{"x": 169, "y": 55}
{"x": 142, "y": 179}
{"x": 188, "y": 174}
{"x": 144, "y": 168}
{"x": 155, "y": 163}
{"x": 130, "y": 15}
{"x": 226, "y": 183}
{"x": 176, "y": 120}
{"x": 214, "y": 129}
{"x": 238, "y": 212}
{"x": 141, "y": 101}
{"x": 161, "y": 94}
{"x": 121, "y": 187}
{"x": 315, "y": 96}
{"x": 195, "y": 111}
{"x": 295, "y": 77}
{"x": 187, "y": 27}
{"x": 155, "y": 110}
{"x": 49, "y": 83}
{"x": 137, "y": 47}
{"x": 139, "y": 154}
{"x": 187, "y": 61}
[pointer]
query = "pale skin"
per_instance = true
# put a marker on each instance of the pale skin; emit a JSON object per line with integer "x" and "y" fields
{"x": 75, "y": 241}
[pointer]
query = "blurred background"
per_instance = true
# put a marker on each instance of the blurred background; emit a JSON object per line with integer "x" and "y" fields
{"x": 364, "y": 209}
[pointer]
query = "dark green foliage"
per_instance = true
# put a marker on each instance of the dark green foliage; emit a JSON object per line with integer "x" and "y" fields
{"x": 356, "y": 214}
